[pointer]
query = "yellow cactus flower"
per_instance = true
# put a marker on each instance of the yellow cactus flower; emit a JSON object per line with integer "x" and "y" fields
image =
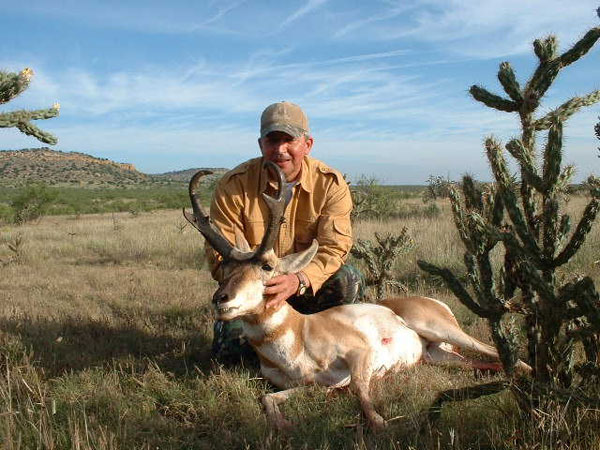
{"x": 27, "y": 73}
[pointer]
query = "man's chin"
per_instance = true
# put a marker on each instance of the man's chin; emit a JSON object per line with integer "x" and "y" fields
{"x": 283, "y": 165}
{"x": 287, "y": 169}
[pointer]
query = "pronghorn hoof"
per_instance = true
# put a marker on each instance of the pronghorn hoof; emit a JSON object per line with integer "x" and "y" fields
{"x": 282, "y": 424}
{"x": 377, "y": 423}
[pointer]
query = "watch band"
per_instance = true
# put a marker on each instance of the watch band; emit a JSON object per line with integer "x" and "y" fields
{"x": 302, "y": 286}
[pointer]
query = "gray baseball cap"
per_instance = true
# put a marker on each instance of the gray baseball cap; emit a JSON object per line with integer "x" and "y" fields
{"x": 286, "y": 117}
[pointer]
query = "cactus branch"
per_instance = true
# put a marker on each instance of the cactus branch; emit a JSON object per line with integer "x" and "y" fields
{"x": 492, "y": 100}
{"x": 545, "y": 49}
{"x": 543, "y": 78}
{"x": 519, "y": 152}
{"x": 455, "y": 286}
{"x": 581, "y": 47}
{"x": 11, "y": 85}
{"x": 567, "y": 109}
{"x": 31, "y": 130}
{"x": 583, "y": 228}
{"x": 553, "y": 156}
{"x": 509, "y": 82}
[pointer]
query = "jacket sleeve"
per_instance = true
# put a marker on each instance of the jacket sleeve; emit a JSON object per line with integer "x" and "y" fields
{"x": 334, "y": 233}
{"x": 226, "y": 214}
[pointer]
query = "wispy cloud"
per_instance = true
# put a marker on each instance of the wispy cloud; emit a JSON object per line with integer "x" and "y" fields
{"x": 384, "y": 82}
{"x": 387, "y": 14}
{"x": 222, "y": 12}
{"x": 491, "y": 28}
{"x": 308, "y": 7}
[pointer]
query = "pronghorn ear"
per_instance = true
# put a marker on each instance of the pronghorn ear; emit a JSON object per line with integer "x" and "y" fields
{"x": 240, "y": 241}
{"x": 298, "y": 261}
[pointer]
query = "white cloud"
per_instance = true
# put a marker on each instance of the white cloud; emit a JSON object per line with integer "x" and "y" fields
{"x": 482, "y": 29}
{"x": 307, "y": 8}
{"x": 385, "y": 89}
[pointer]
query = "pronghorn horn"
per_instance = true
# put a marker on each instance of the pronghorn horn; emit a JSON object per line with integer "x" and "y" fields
{"x": 277, "y": 207}
{"x": 201, "y": 221}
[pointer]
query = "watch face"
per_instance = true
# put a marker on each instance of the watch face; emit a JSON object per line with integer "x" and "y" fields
{"x": 301, "y": 289}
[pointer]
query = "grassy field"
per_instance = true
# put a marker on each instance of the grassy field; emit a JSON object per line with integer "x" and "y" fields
{"x": 105, "y": 331}
{"x": 151, "y": 196}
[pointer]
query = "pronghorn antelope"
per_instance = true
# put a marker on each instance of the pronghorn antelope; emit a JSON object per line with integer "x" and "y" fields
{"x": 341, "y": 346}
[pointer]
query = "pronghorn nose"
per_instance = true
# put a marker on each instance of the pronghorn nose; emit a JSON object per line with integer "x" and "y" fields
{"x": 219, "y": 297}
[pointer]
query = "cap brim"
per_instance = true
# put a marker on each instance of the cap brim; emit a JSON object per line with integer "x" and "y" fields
{"x": 284, "y": 128}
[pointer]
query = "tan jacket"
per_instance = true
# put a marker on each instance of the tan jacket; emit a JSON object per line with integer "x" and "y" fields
{"x": 319, "y": 209}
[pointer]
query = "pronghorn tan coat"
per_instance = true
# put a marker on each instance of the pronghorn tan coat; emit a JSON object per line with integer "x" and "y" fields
{"x": 341, "y": 346}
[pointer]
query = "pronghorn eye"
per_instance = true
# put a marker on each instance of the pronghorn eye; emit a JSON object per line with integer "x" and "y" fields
{"x": 267, "y": 267}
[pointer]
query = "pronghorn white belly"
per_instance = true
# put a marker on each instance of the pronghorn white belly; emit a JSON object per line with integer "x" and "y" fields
{"x": 383, "y": 334}
{"x": 394, "y": 345}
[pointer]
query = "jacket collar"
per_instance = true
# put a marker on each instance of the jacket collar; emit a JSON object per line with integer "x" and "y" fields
{"x": 305, "y": 181}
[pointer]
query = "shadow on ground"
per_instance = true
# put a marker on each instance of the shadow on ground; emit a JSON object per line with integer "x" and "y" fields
{"x": 72, "y": 343}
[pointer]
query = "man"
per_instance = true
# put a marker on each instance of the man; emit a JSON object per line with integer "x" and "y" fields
{"x": 318, "y": 208}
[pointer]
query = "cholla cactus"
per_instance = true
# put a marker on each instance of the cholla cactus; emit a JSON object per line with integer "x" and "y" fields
{"x": 537, "y": 239}
{"x": 437, "y": 187}
{"x": 597, "y": 131}
{"x": 380, "y": 259}
{"x": 13, "y": 84}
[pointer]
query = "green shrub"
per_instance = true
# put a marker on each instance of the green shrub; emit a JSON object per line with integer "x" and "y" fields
{"x": 33, "y": 201}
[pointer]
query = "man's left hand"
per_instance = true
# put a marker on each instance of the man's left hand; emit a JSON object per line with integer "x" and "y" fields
{"x": 280, "y": 288}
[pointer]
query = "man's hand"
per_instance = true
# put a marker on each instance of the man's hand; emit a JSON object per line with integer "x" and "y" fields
{"x": 280, "y": 288}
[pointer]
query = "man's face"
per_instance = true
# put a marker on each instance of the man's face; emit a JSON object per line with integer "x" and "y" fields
{"x": 285, "y": 151}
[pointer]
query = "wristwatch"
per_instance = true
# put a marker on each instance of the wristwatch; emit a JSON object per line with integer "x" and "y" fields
{"x": 302, "y": 286}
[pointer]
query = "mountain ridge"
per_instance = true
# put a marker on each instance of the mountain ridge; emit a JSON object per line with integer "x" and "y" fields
{"x": 58, "y": 168}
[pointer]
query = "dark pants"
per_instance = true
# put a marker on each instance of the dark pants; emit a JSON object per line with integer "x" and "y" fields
{"x": 343, "y": 287}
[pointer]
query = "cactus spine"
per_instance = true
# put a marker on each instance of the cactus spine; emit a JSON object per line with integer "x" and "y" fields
{"x": 13, "y": 84}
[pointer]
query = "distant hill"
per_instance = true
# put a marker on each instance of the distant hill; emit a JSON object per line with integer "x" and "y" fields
{"x": 18, "y": 167}
{"x": 185, "y": 175}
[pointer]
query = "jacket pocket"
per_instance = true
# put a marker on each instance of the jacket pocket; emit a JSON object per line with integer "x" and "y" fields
{"x": 342, "y": 226}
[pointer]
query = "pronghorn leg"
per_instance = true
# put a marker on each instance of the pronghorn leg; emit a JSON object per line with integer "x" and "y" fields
{"x": 433, "y": 321}
{"x": 361, "y": 372}
{"x": 441, "y": 353}
{"x": 271, "y": 404}
{"x": 454, "y": 335}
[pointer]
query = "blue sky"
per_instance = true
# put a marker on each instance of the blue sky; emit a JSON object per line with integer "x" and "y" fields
{"x": 181, "y": 84}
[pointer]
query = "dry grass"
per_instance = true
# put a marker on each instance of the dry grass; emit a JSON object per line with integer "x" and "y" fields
{"x": 105, "y": 330}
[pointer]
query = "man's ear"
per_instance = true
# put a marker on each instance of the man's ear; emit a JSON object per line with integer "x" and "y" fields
{"x": 262, "y": 152}
{"x": 309, "y": 144}
{"x": 298, "y": 261}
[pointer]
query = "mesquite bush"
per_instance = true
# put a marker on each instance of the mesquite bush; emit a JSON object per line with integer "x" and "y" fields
{"x": 561, "y": 316}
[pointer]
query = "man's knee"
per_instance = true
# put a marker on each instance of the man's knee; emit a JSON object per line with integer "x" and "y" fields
{"x": 344, "y": 287}
{"x": 229, "y": 345}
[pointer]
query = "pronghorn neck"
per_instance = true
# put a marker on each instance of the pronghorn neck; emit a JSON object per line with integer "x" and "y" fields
{"x": 268, "y": 325}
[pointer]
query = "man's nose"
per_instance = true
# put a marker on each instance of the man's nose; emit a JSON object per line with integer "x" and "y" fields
{"x": 280, "y": 146}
